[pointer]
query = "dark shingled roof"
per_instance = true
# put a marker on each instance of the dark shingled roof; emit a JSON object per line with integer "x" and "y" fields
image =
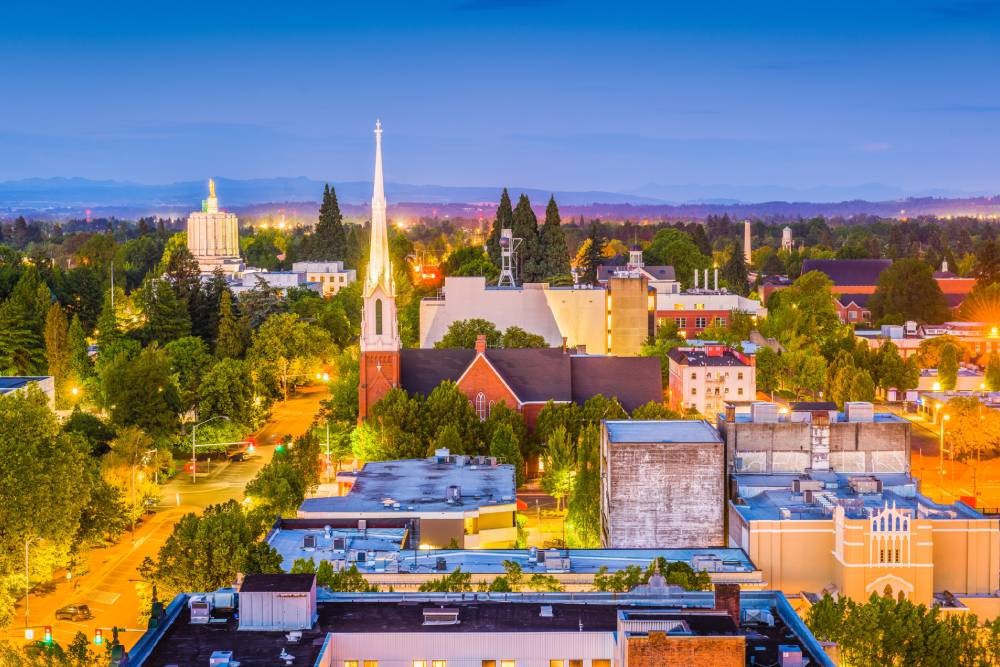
{"x": 278, "y": 583}
{"x": 634, "y": 381}
{"x": 848, "y": 272}
{"x": 542, "y": 374}
{"x": 422, "y": 370}
{"x": 859, "y": 299}
{"x": 698, "y": 357}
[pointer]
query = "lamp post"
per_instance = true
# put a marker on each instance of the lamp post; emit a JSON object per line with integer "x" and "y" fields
{"x": 27, "y": 579}
{"x": 944, "y": 418}
{"x": 194, "y": 431}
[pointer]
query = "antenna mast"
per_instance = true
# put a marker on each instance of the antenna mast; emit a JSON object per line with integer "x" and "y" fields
{"x": 508, "y": 258}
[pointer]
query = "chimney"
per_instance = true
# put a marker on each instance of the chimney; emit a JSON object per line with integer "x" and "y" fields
{"x": 480, "y": 344}
{"x": 727, "y": 599}
{"x": 696, "y": 278}
{"x": 581, "y": 349}
{"x": 565, "y": 344}
{"x": 730, "y": 413}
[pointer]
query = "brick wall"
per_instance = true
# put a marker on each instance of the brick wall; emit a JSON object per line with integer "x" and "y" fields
{"x": 661, "y": 650}
{"x": 378, "y": 374}
{"x": 480, "y": 377}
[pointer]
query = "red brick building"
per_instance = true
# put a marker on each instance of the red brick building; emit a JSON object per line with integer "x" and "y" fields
{"x": 523, "y": 379}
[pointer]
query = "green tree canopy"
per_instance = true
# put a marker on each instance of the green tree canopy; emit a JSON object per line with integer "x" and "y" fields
{"x": 907, "y": 291}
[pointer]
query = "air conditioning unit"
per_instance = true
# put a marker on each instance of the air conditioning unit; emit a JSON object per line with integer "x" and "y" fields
{"x": 440, "y": 564}
{"x": 441, "y": 616}
{"x": 309, "y": 542}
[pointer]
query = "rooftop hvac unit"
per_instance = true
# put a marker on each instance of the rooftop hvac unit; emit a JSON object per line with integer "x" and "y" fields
{"x": 328, "y": 531}
{"x": 539, "y": 555}
{"x": 440, "y": 564}
{"x": 339, "y": 543}
{"x": 859, "y": 411}
{"x": 758, "y": 616}
{"x": 309, "y": 542}
{"x": 862, "y": 485}
{"x": 790, "y": 655}
{"x": 803, "y": 485}
{"x": 808, "y": 497}
{"x": 545, "y": 611}
{"x": 453, "y": 494}
{"x": 533, "y": 554}
{"x": 362, "y": 524}
{"x": 441, "y": 616}
{"x": 707, "y": 563}
{"x": 361, "y": 557}
{"x": 762, "y": 412}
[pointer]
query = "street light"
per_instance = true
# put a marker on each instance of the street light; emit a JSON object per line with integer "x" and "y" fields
{"x": 27, "y": 580}
{"x": 944, "y": 418}
{"x": 194, "y": 430}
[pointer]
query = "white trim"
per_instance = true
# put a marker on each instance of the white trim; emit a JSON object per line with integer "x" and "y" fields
{"x": 494, "y": 369}
{"x": 791, "y": 530}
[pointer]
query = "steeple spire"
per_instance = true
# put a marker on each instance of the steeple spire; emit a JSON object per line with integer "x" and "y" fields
{"x": 379, "y": 267}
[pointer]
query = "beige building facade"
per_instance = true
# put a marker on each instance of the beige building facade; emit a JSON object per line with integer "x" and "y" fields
{"x": 213, "y": 236}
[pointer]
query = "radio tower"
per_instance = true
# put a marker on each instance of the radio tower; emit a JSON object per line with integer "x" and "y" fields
{"x": 508, "y": 257}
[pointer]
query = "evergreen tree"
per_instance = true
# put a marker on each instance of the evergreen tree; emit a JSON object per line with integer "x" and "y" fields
{"x": 57, "y": 349}
{"x": 329, "y": 239}
{"x": 22, "y": 320}
{"x": 230, "y": 341}
{"x": 504, "y": 446}
{"x": 167, "y": 316}
{"x": 734, "y": 271}
{"x": 207, "y": 306}
{"x": 993, "y": 373}
{"x": 591, "y": 255}
{"x": 948, "y": 367}
{"x": 78, "y": 361}
{"x": 504, "y": 220}
{"x": 529, "y": 254}
{"x": 584, "y": 517}
{"x": 555, "y": 253}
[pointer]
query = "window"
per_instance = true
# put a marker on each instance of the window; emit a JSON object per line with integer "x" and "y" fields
{"x": 371, "y": 663}
{"x": 439, "y": 663}
{"x": 481, "y": 406}
{"x": 557, "y": 663}
{"x": 681, "y": 322}
{"x": 378, "y": 325}
{"x": 694, "y": 392}
{"x": 576, "y": 663}
{"x": 694, "y": 376}
{"x": 508, "y": 663}
{"x": 739, "y": 391}
{"x": 419, "y": 663}
{"x": 708, "y": 375}
{"x": 739, "y": 376}
{"x": 489, "y": 663}
{"x": 720, "y": 321}
{"x": 678, "y": 306}
{"x": 600, "y": 663}
{"x": 852, "y": 315}
{"x": 350, "y": 663}
{"x": 700, "y": 322}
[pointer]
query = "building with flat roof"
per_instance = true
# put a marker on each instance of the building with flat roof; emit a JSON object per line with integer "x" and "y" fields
{"x": 770, "y": 439}
{"x": 280, "y": 281}
{"x": 331, "y": 276}
{"x": 10, "y": 384}
{"x": 662, "y": 629}
{"x": 600, "y": 320}
{"x": 386, "y": 558}
{"x": 697, "y": 309}
{"x": 706, "y": 377}
{"x": 471, "y": 500}
{"x": 213, "y": 236}
{"x": 662, "y": 482}
{"x": 861, "y": 534}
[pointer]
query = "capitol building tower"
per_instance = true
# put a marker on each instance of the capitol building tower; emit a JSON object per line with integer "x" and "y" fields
{"x": 213, "y": 236}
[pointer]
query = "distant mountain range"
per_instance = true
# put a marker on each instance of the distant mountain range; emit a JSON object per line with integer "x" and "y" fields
{"x": 72, "y": 197}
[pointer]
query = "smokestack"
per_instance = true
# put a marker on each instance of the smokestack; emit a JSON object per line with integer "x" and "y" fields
{"x": 716, "y": 279}
{"x": 706, "y": 278}
{"x": 696, "y": 278}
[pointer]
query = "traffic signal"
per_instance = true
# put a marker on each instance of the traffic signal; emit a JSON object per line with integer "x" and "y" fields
{"x": 280, "y": 448}
{"x": 250, "y": 445}
{"x": 48, "y": 634}
{"x": 98, "y": 636}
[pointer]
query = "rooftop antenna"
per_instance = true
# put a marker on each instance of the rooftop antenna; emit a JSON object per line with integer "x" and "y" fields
{"x": 508, "y": 257}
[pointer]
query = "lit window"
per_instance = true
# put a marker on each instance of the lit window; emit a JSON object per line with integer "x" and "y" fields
{"x": 600, "y": 663}
{"x": 557, "y": 663}
{"x": 378, "y": 318}
{"x": 350, "y": 663}
{"x": 481, "y": 406}
{"x": 439, "y": 663}
{"x": 508, "y": 663}
{"x": 371, "y": 663}
{"x": 419, "y": 663}
{"x": 678, "y": 306}
{"x": 852, "y": 315}
{"x": 489, "y": 663}
{"x": 576, "y": 663}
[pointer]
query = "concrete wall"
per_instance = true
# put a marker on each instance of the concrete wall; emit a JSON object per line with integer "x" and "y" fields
{"x": 628, "y": 315}
{"x": 663, "y": 493}
{"x": 854, "y": 446}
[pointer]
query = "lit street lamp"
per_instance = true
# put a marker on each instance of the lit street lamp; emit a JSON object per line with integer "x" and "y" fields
{"x": 194, "y": 431}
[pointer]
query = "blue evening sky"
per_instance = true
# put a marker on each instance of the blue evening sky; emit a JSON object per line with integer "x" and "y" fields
{"x": 550, "y": 94}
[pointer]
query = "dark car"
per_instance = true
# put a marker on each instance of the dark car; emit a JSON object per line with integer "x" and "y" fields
{"x": 74, "y": 612}
{"x": 239, "y": 456}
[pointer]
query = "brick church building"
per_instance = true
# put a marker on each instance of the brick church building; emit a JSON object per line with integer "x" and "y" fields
{"x": 524, "y": 379}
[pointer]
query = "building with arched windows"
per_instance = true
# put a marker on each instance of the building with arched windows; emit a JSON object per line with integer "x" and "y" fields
{"x": 855, "y": 535}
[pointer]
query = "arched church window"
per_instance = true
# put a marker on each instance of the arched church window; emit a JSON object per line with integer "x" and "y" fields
{"x": 481, "y": 406}
{"x": 378, "y": 317}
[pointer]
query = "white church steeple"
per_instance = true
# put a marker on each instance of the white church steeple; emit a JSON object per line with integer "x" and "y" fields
{"x": 379, "y": 328}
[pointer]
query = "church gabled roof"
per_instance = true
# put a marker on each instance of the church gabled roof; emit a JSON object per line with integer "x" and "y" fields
{"x": 541, "y": 374}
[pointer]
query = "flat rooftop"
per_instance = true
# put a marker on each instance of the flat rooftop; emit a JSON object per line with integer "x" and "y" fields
{"x": 185, "y": 644}
{"x": 413, "y": 486}
{"x": 661, "y": 431}
{"x": 14, "y": 382}
{"x": 841, "y": 418}
{"x": 770, "y": 497}
{"x": 386, "y": 545}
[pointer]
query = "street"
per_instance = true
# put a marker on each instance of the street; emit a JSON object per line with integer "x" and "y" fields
{"x": 109, "y": 584}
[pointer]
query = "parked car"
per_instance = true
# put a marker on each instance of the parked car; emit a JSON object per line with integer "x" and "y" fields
{"x": 74, "y": 612}
{"x": 239, "y": 456}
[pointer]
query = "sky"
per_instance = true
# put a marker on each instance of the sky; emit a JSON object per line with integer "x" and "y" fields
{"x": 569, "y": 95}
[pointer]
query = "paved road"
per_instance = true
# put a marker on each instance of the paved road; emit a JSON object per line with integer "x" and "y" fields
{"x": 109, "y": 586}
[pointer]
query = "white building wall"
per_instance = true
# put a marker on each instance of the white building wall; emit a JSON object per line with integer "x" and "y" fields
{"x": 469, "y": 649}
{"x": 277, "y": 611}
{"x": 707, "y": 301}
